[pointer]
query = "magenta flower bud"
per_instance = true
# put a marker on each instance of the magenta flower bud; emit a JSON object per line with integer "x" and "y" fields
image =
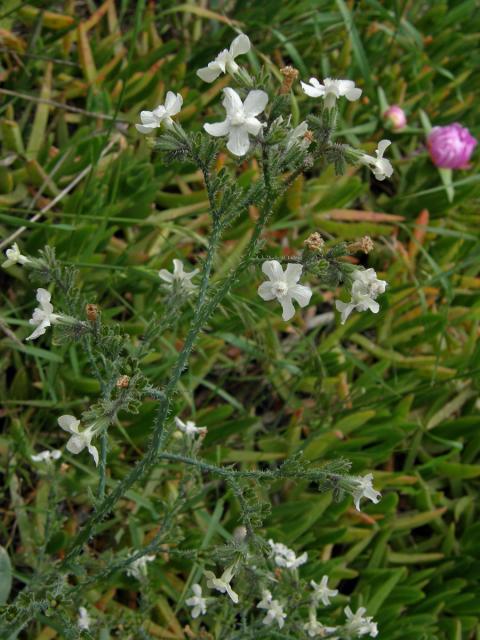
{"x": 451, "y": 147}
{"x": 396, "y": 117}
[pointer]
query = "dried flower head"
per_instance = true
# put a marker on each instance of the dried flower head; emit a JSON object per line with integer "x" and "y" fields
{"x": 365, "y": 245}
{"x": 123, "y": 382}
{"x": 92, "y": 312}
{"x": 314, "y": 242}
{"x": 290, "y": 74}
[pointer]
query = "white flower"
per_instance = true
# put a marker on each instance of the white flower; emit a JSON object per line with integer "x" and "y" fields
{"x": 225, "y": 61}
{"x": 79, "y": 439}
{"x": 283, "y": 286}
{"x": 189, "y": 428}
{"x": 297, "y": 136}
{"x": 363, "y": 488}
{"x": 14, "y": 256}
{"x": 83, "y": 621}
{"x": 162, "y": 114}
{"x": 285, "y": 557}
{"x": 380, "y": 166}
{"x": 43, "y": 315}
{"x": 47, "y": 456}
{"x": 274, "y": 609}
{"x": 322, "y": 592}
{"x": 198, "y": 603}
{"x": 358, "y": 624}
{"x": 365, "y": 289}
{"x": 138, "y": 568}
{"x": 316, "y": 629}
{"x": 222, "y": 584}
{"x": 240, "y": 120}
{"x": 331, "y": 90}
{"x": 179, "y": 276}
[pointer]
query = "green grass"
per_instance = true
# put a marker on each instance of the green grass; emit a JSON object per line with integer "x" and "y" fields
{"x": 395, "y": 393}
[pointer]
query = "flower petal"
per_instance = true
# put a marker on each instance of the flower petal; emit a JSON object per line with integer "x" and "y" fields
{"x": 241, "y": 44}
{"x": 93, "y": 451}
{"x": 143, "y": 128}
{"x": 217, "y": 128}
{"x": 353, "y": 94}
{"x": 253, "y": 126}
{"x": 273, "y": 270}
{"x": 166, "y": 276}
{"x": 345, "y": 309}
{"x": 173, "y": 103}
{"x": 238, "y": 142}
{"x": 76, "y": 444}
{"x": 231, "y": 593}
{"x": 148, "y": 117}
{"x": 265, "y": 291}
{"x": 210, "y": 73}
{"x": 301, "y": 294}
{"x": 255, "y": 103}
{"x": 293, "y": 273}
{"x": 382, "y": 146}
{"x": 232, "y": 101}
{"x": 313, "y": 92}
{"x": 39, "y": 331}
{"x": 287, "y": 307}
{"x": 68, "y": 423}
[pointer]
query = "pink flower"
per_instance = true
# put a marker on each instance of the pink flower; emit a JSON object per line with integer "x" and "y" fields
{"x": 396, "y": 117}
{"x": 451, "y": 147}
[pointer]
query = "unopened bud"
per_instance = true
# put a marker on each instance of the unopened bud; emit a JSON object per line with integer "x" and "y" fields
{"x": 314, "y": 242}
{"x": 365, "y": 244}
{"x": 122, "y": 382}
{"x": 290, "y": 74}
{"x": 240, "y": 533}
{"x": 92, "y": 312}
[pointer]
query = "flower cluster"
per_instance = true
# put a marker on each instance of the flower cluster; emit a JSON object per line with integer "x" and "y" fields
{"x": 366, "y": 287}
{"x": 285, "y": 557}
{"x": 276, "y": 609}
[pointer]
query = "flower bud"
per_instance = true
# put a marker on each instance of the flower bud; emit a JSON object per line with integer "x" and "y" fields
{"x": 395, "y": 117}
{"x": 451, "y": 147}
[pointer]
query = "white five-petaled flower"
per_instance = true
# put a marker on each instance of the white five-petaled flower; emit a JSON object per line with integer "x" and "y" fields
{"x": 198, "y": 603}
{"x": 363, "y": 488}
{"x": 321, "y": 592}
{"x": 43, "y": 315}
{"x": 83, "y": 620}
{"x": 79, "y": 439}
{"x": 380, "y": 166}
{"x": 47, "y": 456}
{"x": 275, "y": 612}
{"x": 365, "y": 289}
{"x": 283, "y": 285}
{"x": 285, "y": 557}
{"x": 316, "y": 629}
{"x": 179, "y": 276}
{"x": 331, "y": 90}
{"x": 161, "y": 115}
{"x": 222, "y": 584}
{"x": 14, "y": 256}
{"x": 189, "y": 428}
{"x": 241, "y": 120}
{"x": 360, "y": 625}
{"x": 225, "y": 60}
{"x": 138, "y": 568}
